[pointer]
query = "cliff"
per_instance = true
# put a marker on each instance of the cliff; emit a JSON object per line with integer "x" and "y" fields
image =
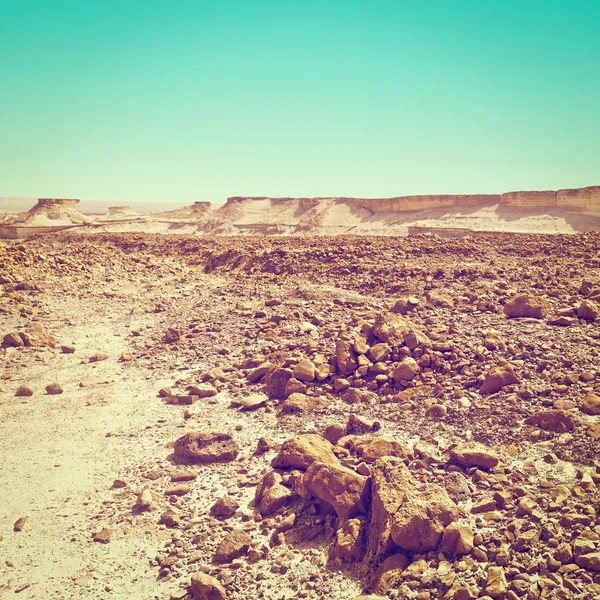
{"x": 50, "y": 212}
{"x": 580, "y": 199}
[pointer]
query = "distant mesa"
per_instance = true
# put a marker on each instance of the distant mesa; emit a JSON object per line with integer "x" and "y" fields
{"x": 121, "y": 211}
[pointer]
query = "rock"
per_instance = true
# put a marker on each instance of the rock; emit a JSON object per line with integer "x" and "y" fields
{"x": 334, "y": 432}
{"x": 299, "y": 403}
{"x": 370, "y": 448}
{"x": 185, "y": 475}
{"x": 380, "y": 352}
{"x": 200, "y": 447}
{"x": 496, "y": 586}
{"x": 24, "y": 391}
{"x": 54, "y": 388}
{"x": 590, "y": 561}
{"x": 19, "y": 524}
{"x": 275, "y": 382}
{"x": 102, "y": 536}
{"x": 589, "y": 310}
{"x": 67, "y": 349}
{"x": 224, "y": 508}
{"x": 206, "y": 587}
{"x": 350, "y": 540}
{"x": 170, "y": 518}
{"x": 259, "y": 372}
{"x": 346, "y": 358}
{"x": 172, "y": 335}
{"x": 404, "y": 511}
{"x": 457, "y": 486}
{"x": 473, "y": 455}
{"x": 406, "y": 370}
{"x": 304, "y": 371}
{"x": 251, "y": 402}
{"x": 396, "y": 330}
{"x": 497, "y": 378}
{"x": 523, "y": 305}
{"x": 204, "y": 390}
{"x": 235, "y": 544}
{"x": 181, "y": 489}
{"x": 36, "y": 336}
{"x": 591, "y": 404}
{"x": 144, "y": 500}
{"x": 457, "y": 539}
{"x": 551, "y": 420}
{"x": 389, "y": 573}
{"x": 359, "y": 425}
{"x": 344, "y": 489}
{"x": 98, "y": 357}
{"x": 303, "y": 450}
{"x": 270, "y": 496}
{"x": 13, "y": 340}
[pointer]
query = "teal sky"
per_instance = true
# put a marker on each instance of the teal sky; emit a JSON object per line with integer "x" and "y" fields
{"x": 196, "y": 100}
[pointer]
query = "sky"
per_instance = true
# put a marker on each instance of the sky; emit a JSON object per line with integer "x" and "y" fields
{"x": 188, "y": 101}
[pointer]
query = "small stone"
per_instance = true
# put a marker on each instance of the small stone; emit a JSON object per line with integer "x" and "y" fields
{"x": 67, "y": 349}
{"x": 144, "y": 500}
{"x": 54, "y": 388}
{"x": 24, "y": 391}
{"x": 224, "y": 508}
{"x": 19, "y": 524}
{"x": 178, "y": 490}
{"x": 496, "y": 586}
{"x": 170, "y": 518}
{"x": 234, "y": 545}
{"x": 102, "y": 536}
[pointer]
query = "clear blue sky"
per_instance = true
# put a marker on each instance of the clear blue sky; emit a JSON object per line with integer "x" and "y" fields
{"x": 196, "y": 100}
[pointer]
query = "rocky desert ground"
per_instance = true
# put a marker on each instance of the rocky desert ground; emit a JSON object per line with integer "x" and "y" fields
{"x": 216, "y": 418}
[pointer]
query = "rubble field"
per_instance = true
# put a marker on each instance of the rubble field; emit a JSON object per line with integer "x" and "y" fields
{"x": 207, "y": 418}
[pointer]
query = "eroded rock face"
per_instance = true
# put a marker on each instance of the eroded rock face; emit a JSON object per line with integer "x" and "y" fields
{"x": 347, "y": 491}
{"x": 524, "y": 305}
{"x": 200, "y": 447}
{"x": 303, "y": 450}
{"x": 405, "y": 512}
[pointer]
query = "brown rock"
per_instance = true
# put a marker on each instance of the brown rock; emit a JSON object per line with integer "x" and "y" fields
{"x": 102, "y": 536}
{"x": 172, "y": 335}
{"x": 181, "y": 489}
{"x": 497, "y": 378}
{"x": 67, "y": 349}
{"x": 389, "y": 573}
{"x": 206, "y": 587}
{"x": 590, "y": 561}
{"x": 473, "y": 455}
{"x": 259, "y": 372}
{"x": 235, "y": 544}
{"x": 370, "y": 448}
{"x": 346, "y": 358}
{"x": 380, "y": 352}
{"x": 591, "y": 404}
{"x": 406, "y": 370}
{"x": 496, "y": 586}
{"x": 396, "y": 330}
{"x": 275, "y": 382}
{"x": 334, "y": 432}
{"x": 551, "y": 420}
{"x": 19, "y": 524}
{"x": 24, "y": 391}
{"x": 204, "y": 390}
{"x": 304, "y": 371}
{"x": 406, "y": 512}
{"x": 13, "y": 340}
{"x": 224, "y": 508}
{"x": 199, "y": 447}
{"x": 523, "y": 305}
{"x": 54, "y": 388}
{"x": 589, "y": 310}
{"x": 303, "y": 450}
{"x": 299, "y": 403}
{"x": 347, "y": 491}
{"x": 170, "y": 518}
{"x": 350, "y": 540}
{"x": 270, "y": 496}
{"x": 457, "y": 539}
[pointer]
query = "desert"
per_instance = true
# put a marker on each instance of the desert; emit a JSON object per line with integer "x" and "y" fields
{"x": 211, "y": 417}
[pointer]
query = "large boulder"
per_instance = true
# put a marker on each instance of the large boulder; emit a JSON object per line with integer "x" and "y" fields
{"x": 347, "y": 491}
{"x": 523, "y": 305}
{"x": 302, "y": 451}
{"x": 405, "y": 512}
{"x": 205, "y": 448}
{"x": 396, "y": 330}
